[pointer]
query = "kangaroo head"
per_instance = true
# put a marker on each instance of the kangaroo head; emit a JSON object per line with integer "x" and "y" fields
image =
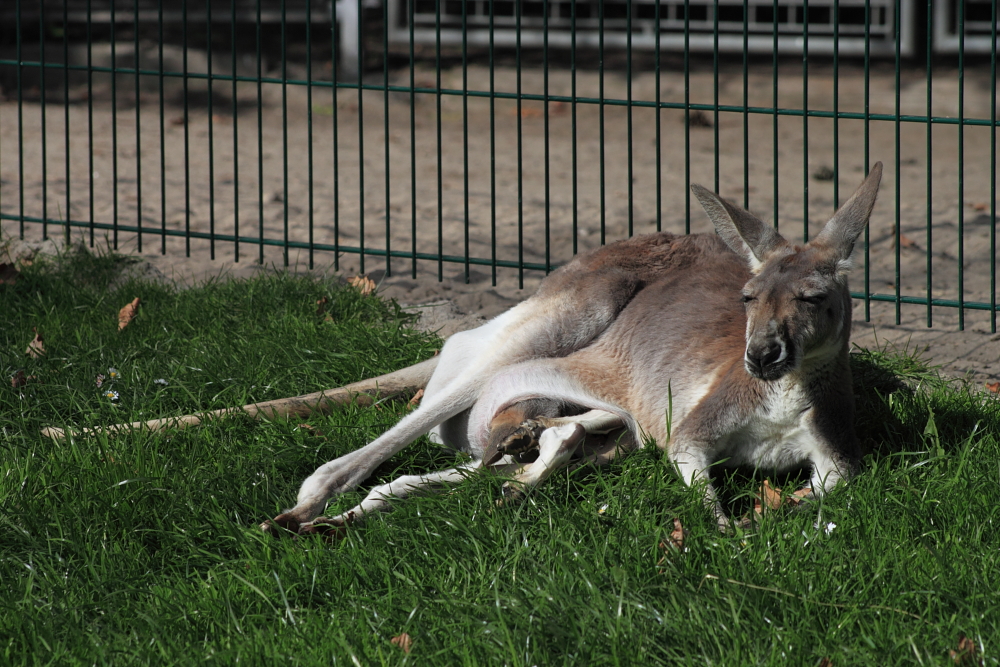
{"x": 797, "y": 302}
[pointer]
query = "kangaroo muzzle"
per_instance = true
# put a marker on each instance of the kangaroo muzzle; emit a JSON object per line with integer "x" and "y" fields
{"x": 767, "y": 357}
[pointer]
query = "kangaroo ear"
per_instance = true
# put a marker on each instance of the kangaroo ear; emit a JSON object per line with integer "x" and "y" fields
{"x": 846, "y": 225}
{"x": 747, "y": 236}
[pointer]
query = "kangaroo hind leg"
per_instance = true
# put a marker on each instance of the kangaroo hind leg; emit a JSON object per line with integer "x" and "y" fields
{"x": 559, "y": 440}
{"x": 380, "y": 498}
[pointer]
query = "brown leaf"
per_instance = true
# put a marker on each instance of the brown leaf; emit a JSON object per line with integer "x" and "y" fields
{"x": 677, "y": 535}
{"x": 906, "y": 242}
{"x": 178, "y": 120}
{"x": 768, "y": 498}
{"x": 799, "y": 495}
{"x": 674, "y": 542}
{"x": 127, "y": 313}
{"x": 8, "y": 274}
{"x": 18, "y": 380}
{"x": 415, "y": 401}
{"x": 966, "y": 654}
{"x": 311, "y": 430}
{"x": 403, "y": 641}
{"x": 321, "y": 305}
{"x": 979, "y": 206}
{"x": 825, "y": 662}
{"x": 994, "y": 387}
{"x": 36, "y": 348}
{"x": 363, "y": 284}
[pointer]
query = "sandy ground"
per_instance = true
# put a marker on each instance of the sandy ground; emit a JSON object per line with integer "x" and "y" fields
{"x": 533, "y": 217}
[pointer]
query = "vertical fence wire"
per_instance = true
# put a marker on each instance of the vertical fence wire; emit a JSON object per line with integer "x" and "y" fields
{"x": 600, "y": 74}
{"x": 961, "y": 165}
{"x": 930, "y": 180}
{"x": 309, "y": 127}
{"x": 440, "y": 180}
{"x": 573, "y": 139}
{"x": 520, "y": 155}
{"x": 361, "y": 134}
{"x": 42, "y": 109}
{"x": 234, "y": 109}
{"x": 187, "y": 125}
{"x": 90, "y": 123}
{"x": 993, "y": 167}
{"x": 410, "y": 4}
{"x": 136, "y": 64}
{"x": 114, "y": 133}
{"x": 659, "y": 136}
{"x": 687, "y": 116}
{"x": 746, "y": 104}
{"x": 385, "y": 125}
{"x": 493, "y": 147}
{"x": 867, "y": 161}
{"x": 66, "y": 129}
{"x": 260, "y": 141}
{"x": 899, "y": 180}
{"x": 163, "y": 133}
{"x": 211, "y": 132}
{"x": 774, "y": 112}
{"x": 715, "y": 91}
{"x": 805, "y": 121}
{"x": 545, "y": 114}
{"x": 465, "y": 135}
{"x": 628, "y": 118}
{"x": 335, "y": 130}
{"x": 20, "y": 130}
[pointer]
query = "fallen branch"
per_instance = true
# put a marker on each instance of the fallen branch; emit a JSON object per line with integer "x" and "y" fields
{"x": 405, "y": 381}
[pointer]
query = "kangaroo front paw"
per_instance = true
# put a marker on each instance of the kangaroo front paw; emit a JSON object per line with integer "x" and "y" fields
{"x": 523, "y": 439}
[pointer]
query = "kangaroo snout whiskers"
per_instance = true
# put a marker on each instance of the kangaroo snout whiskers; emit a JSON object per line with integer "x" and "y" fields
{"x": 625, "y": 337}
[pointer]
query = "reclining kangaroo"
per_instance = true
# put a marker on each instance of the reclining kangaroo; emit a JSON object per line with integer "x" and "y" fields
{"x": 740, "y": 340}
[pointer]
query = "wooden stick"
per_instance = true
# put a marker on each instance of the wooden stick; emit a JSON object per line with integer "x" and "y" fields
{"x": 406, "y": 380}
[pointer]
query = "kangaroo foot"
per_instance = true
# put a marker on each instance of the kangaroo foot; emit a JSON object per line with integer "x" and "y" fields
{"x": 330, "y": 530}
{"x": 523, "y": 439}
{"x": 283, "y": 525}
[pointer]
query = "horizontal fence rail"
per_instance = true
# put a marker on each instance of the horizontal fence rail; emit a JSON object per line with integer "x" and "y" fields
{"x": 504, "y": 134}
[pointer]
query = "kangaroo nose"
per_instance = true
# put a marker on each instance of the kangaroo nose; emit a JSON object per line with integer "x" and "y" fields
{"x": 762, "y": 357}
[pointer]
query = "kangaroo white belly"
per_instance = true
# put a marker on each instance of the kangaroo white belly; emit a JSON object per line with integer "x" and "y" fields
{"x": 778, "y": 436}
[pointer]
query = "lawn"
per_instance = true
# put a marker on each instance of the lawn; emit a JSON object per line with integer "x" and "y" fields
{"x": 143, "y": 548}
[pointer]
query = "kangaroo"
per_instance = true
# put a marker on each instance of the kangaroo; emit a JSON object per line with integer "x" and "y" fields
{"x": 728, "y": 348}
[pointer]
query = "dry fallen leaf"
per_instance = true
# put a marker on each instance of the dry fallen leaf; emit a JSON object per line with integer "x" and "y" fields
{"x": 311, "y": 430}
{"x": 966, "y": 654}
{"x": 906, "y": 242}
{"x": 415, "y": 401}
{"x": 768, "y": 498}
{"x": 825, "y": 662}
{"x": 979, "y": 206}
{"x": 994, "y": 387}
{"x": 403, "y": 641}
{"x": 18, "y": 380}
{"x": 321, "y": 305}
{"x": 127, "y": 313}
{"x": 8, "y": 274}
{"x": 363, "y": 284}
{"x": 799, "y": 495}
{"x": 674, "y": 541}
{"x": 178, "y": 120}
{"x": 36, "y": 348}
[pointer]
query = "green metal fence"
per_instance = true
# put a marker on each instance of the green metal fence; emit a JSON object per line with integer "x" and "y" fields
{"x": 503, "y": 135}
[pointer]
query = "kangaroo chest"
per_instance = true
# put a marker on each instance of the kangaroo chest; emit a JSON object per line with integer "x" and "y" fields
{"x": 777, "y": 435}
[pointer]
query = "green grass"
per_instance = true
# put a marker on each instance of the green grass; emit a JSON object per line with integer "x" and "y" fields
{"x": 143, "y": 549}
